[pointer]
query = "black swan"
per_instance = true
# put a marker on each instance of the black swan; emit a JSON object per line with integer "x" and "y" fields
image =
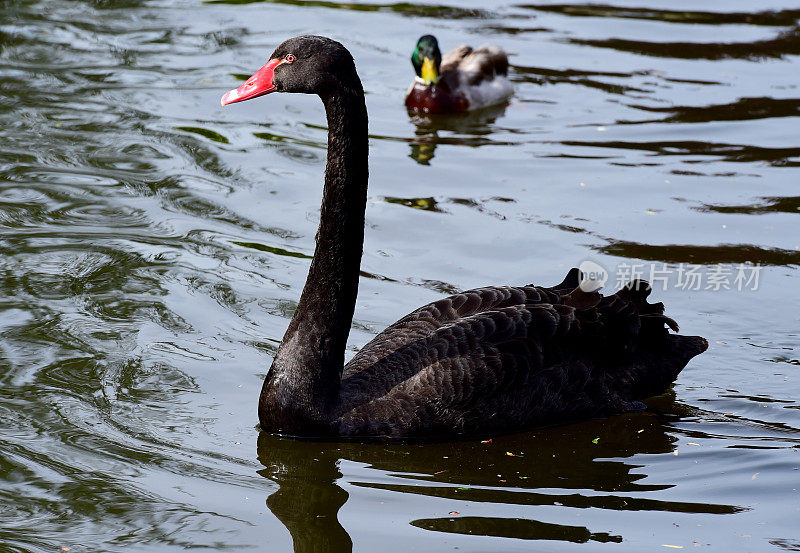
{"x": 490, "y": 360}
{"x": 463, "y": 80}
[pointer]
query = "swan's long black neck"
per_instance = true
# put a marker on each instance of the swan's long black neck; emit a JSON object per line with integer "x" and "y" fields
{"x": 304, "y": 379}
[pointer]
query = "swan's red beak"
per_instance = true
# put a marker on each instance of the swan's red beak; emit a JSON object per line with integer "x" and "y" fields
{"x": 257, "y": 85}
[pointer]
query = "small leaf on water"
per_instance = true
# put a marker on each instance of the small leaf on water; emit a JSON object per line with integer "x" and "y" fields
{"x": 595, "y": 440}
{"x": 510, "y": 454}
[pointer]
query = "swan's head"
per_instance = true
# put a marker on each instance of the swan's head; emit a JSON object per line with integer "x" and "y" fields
{"x": 305, "y": 64}
{"x": 426, "y": 59}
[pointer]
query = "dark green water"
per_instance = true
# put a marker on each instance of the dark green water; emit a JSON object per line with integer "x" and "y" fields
{"x": 153, "y": 246}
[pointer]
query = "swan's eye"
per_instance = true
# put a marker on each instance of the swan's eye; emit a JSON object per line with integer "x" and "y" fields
{"x": 289, "y": 58}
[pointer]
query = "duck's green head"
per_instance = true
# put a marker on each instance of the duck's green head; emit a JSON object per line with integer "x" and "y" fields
{"x": 426, "y": 59}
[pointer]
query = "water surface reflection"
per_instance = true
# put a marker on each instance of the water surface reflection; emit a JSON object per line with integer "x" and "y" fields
{"x": 465, "y": 129}
{"x": 587, "y": 466}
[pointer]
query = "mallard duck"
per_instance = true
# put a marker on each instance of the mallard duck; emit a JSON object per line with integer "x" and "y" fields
{"x": 463, "y": 80}
{"x": 490, "y": 360}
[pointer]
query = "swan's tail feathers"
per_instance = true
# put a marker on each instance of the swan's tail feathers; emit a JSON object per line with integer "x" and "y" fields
{"x": 691, "y": 345}
{"x": 681, "y": 349}
{"x": 637, "y": 324}
{"x": 661, "y": 354}
{"x": 661, "y": 367}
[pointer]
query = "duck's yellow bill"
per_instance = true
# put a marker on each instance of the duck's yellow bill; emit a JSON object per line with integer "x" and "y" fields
{"x": 428, "y": 73}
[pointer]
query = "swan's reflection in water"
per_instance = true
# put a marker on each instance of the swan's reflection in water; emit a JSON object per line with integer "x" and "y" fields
{"x": 473, "y": 128}
{"x": 307, "y": 501}
{"x": 549, "y": 467}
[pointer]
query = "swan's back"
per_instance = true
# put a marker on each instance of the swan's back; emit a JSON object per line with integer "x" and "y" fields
{"x": 508, "y": 358}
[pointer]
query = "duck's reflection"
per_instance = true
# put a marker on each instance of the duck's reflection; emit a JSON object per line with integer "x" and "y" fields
{"x": 472, "y": 129}
{"x": 510, "y": 470}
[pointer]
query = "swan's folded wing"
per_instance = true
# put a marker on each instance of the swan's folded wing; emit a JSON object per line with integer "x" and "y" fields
{"x": 458, "y": 372}
{"x": 426, "y": 320}
{"x": 531, "y": 359}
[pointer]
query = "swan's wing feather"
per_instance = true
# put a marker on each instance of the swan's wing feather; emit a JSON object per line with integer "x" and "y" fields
{"x": 436, "y": 379}
{"x": 514, "y": 355}
{"x": 424, "y": 321}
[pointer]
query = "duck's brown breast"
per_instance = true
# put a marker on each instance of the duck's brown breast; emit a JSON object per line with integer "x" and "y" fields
{"x": 435, "y": 99}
